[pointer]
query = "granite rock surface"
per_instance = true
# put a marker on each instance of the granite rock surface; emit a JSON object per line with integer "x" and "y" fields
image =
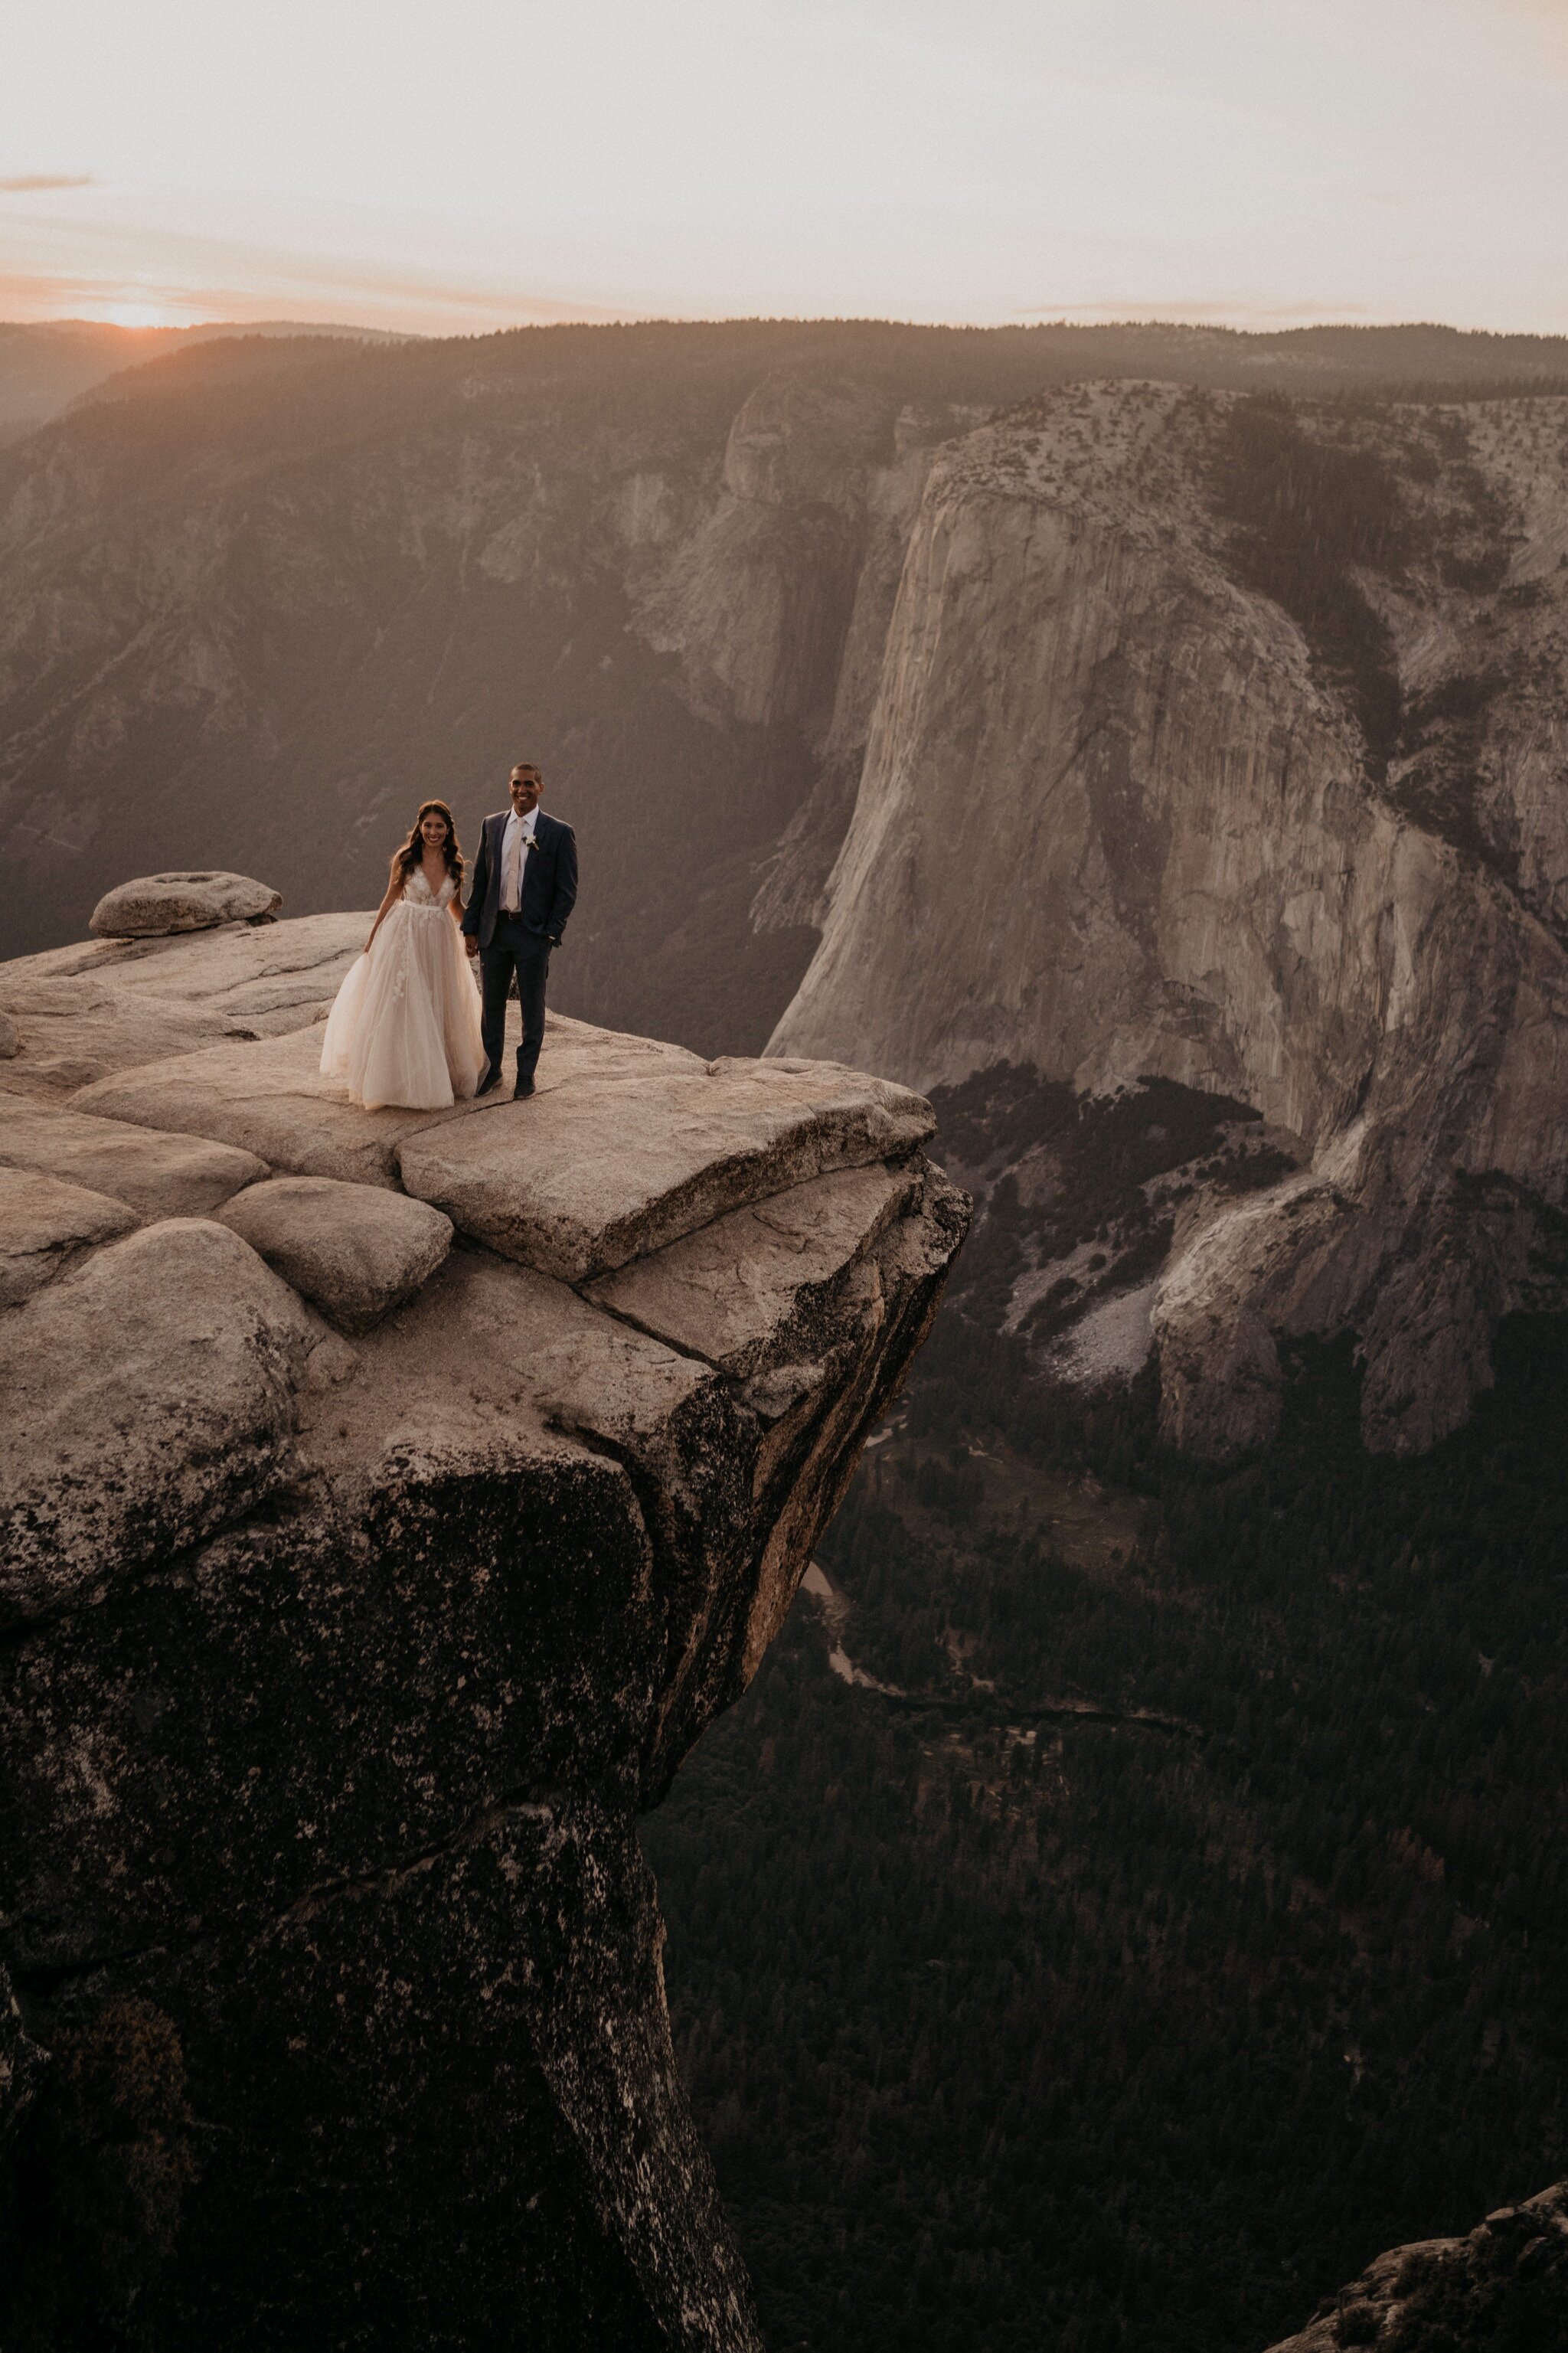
{"x": 334, "y": 1675}
{"x": 101, "y": 1006}
{"x": 1116, "y": 816}
{"x": 44, "y": 1224}
{"x": 158, "y": 1176}
{"x": 560, "y": 1182}
{"x": 1505, "y": 2283}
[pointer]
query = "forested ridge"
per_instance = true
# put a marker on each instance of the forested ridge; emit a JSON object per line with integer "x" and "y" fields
{"x": 1189, "y": 1923}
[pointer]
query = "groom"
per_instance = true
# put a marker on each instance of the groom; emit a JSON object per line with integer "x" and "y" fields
{"x": 525, "y": 884}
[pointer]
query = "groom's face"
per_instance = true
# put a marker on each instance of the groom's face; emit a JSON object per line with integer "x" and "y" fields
{"x": 525, "y": 791}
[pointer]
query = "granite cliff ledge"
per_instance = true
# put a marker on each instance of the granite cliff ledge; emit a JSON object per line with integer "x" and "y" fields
{"x": 387, "y": 1504}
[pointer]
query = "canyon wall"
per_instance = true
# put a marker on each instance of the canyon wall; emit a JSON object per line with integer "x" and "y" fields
{"x": 1117, "y": 819}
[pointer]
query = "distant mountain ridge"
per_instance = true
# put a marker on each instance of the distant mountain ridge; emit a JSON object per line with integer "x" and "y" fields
{"x": 45, "y": 365}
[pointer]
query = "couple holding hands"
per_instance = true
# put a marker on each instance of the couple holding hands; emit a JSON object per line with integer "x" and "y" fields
{"x": 408, "y": 1027}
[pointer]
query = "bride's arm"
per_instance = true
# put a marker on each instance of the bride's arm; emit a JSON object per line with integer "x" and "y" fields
{"x": 393, "y": 892}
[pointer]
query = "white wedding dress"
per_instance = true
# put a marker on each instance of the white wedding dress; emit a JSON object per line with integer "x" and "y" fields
{"x": 405, "y": 1026}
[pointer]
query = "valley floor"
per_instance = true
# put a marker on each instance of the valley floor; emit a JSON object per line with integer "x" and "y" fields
{"x": 1188, "y": 1921}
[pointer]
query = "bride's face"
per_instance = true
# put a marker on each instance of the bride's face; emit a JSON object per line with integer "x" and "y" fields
{"x": 433, "y": 832}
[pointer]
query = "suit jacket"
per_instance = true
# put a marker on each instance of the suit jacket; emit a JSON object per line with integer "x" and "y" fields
{"x": 549, "y": 878}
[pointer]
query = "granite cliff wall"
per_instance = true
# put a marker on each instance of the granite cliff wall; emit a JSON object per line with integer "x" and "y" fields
{"x": 1118, "y": 816}
{"x": 388, "y": 1504}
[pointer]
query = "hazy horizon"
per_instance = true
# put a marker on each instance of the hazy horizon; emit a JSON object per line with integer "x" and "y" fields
{"x": 1118, "y": 322}
{"x": 1255, "y": 163}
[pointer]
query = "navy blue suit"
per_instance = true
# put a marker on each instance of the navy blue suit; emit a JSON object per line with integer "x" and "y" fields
{"x": 519, "y": 943}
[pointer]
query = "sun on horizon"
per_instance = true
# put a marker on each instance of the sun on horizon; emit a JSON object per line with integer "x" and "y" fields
{"x": 136, "y": 314}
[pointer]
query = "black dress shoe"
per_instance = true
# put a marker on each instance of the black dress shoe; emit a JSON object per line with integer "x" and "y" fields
{"x": 524, "y": 1087}
{"x": 492, "y": 1079}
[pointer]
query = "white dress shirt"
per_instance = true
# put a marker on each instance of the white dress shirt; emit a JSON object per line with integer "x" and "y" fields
{"x": 517, "y": 837}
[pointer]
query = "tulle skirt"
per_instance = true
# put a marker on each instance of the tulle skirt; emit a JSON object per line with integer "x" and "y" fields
{"x": 405, "y": 1026}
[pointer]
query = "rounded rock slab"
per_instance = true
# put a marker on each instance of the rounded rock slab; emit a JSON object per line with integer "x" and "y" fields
{"x": 154, "y": 904}
{"x": 44, "y": 1222}
{"x": 354, "y": 1250}
{"x": 150, "y": 1396}
{"x": 157, "y": 1174}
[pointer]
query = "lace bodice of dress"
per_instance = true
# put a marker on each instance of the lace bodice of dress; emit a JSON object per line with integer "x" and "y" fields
{"x": 418, "y": 893}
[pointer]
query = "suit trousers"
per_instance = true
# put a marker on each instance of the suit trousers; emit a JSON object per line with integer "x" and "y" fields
{"x": 513, "y": 949}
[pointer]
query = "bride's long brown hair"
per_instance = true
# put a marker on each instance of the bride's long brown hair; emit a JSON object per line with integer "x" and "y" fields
{"x": 411, "y": 853}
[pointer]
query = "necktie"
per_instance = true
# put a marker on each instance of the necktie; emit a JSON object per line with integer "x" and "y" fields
{"x": 511, "y": 894}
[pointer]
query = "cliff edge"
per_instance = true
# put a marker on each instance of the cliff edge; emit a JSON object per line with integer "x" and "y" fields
{"x": 389, "y": 1502}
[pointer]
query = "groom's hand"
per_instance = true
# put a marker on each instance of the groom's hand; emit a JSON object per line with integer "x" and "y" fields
{"x": 470, "y": 942}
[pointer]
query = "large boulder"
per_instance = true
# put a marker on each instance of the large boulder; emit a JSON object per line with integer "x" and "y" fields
{"x": 354, "y": 1250}
{"x": 156, "y": 903}
{"x": 627, "y": 1144}
{"x": 267, "y": 1098}
{"x": 754, "y": 1289}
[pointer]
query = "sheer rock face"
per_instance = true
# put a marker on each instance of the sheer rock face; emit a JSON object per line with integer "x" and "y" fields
{"x": 1113, "y": 822}
{"x": 336, "y": 1672}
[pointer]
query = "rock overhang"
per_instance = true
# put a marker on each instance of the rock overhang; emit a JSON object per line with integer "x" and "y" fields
{"x": 646, "y": 1216}
{"x": 627, "y": 1145}
{"x": 334, "y": 1661}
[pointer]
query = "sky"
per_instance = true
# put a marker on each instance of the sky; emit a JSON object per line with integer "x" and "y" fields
{"x": 457, "y": 167}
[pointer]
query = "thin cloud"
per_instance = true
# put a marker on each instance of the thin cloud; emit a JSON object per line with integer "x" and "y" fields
{"x": 24, "y": 183}
{"x": 109, "y": 262}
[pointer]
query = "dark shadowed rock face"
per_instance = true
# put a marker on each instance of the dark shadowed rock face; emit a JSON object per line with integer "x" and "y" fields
{"x": 335, "y": 1672}
{"x": 1505, "y": 2286}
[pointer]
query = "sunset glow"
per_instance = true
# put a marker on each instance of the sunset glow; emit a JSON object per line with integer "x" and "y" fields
{"x": 1247, "y": 162}
{"x": 139, "y": 314}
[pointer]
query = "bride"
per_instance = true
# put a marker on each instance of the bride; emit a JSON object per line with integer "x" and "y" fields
{"x": 405, "y": 1026}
